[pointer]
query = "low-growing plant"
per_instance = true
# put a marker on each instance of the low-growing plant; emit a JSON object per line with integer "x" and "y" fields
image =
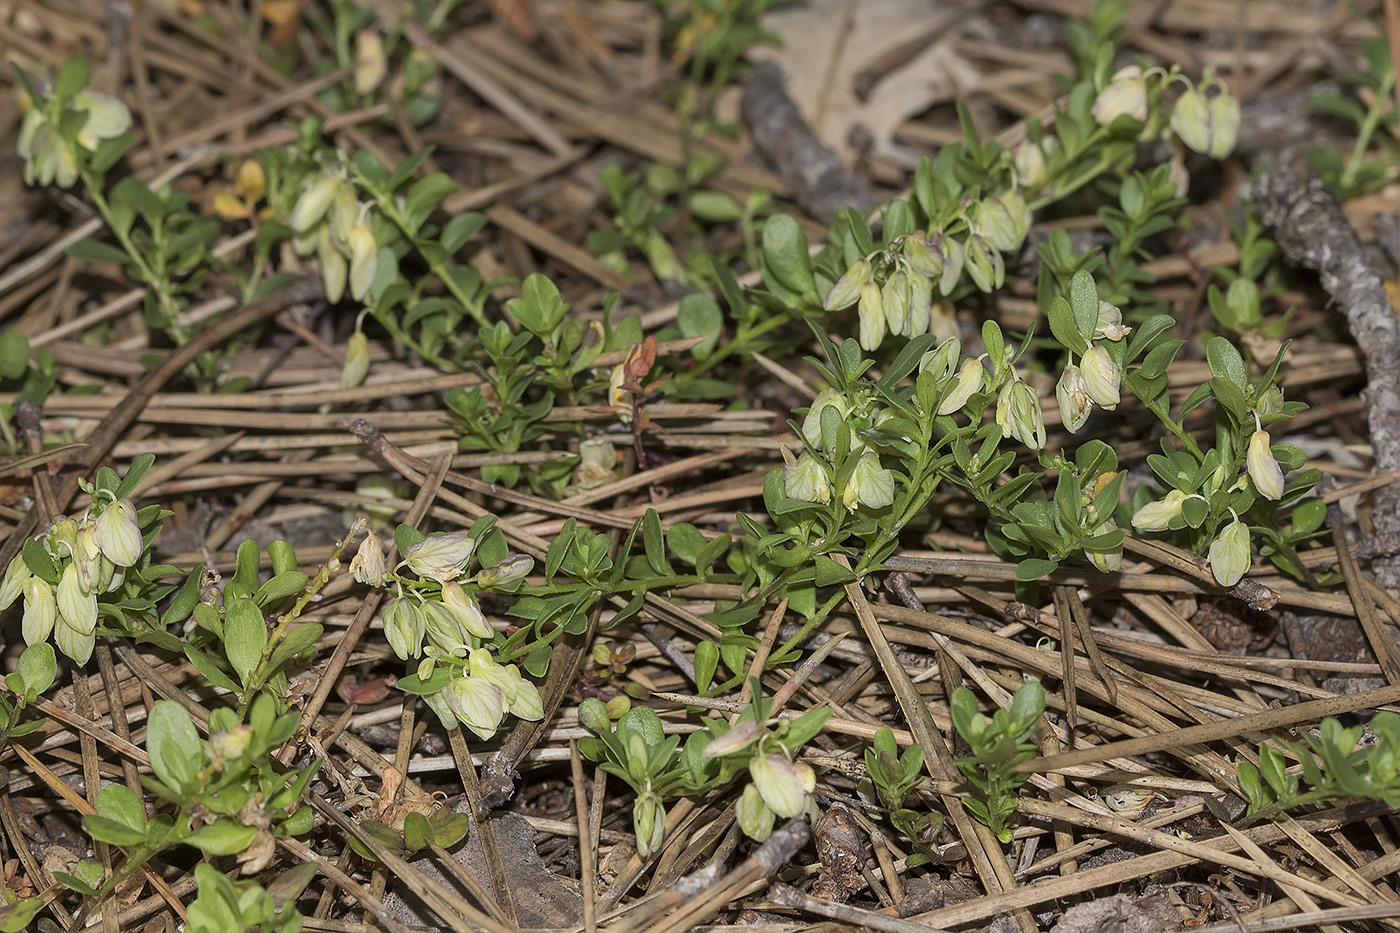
{"x": 998, "y": 745}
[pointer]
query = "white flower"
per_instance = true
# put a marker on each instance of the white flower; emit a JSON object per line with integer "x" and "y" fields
{"x": 367, "y": 566}
{"x": 40, "y": 611}
{"x": 1074, "y": 400}
{"x": 478, "y": 704}
{"x": 1157, "y": 516}
{"x": 807, "y": 480}
{"x": 1264, "y": 471}
{"x": 812, "y": 424}
{"x": 871, "y": 485}
{"x": 118, "y": 535}
{"x": 969, "y": 380}
{"x": 1229, "y": 553}
{"x": 439, "y": 557}
{"x": 1101, "y": 377}
{"x": 783, "y": 785}
{"x": 465, "y": 609}
{"x": 1124, "y": 96}
{"x": 13, "y": 585}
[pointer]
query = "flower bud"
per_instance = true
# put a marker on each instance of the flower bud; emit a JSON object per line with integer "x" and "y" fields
{"x": 477, "y": 704}
{"x": 1107, "y": 560}
{"x": 464, "y": 608}
{"x": 1208, "y": 127}
{"x": 442, "y": 629}
{"x": 1101, "y": 377}
{"x": 846, "y": 291}
{"x": 649, "y": 822}
{"x": 942, "y": 359}
{"x": 596, "y": 459}
{"x": 440, "y": 557}
{"x": 73, "y": 641}
{"x": 1157, "y": 516}
{"x": 1264, "y": 471}
{"x": 920, "y": 254}
{"x": 871, "y": 485}
{"x": 404, "y": 627}
{"x": 371, "y": 64}
{"x": 984, "y": 264}
{"x": 807, "y": 480}
{"x": 992, "y": 221}
{"x": 1030, "y": 159}
{"x": 1229, "y": 553}
{"x": 40, "y": 611}
{"x": 334, "y": 268}
{"x": 76, "y": 605}
{"x": 1018, "y": 414}
{"x": 250, "y": 183}
{"x": 515, "y": 567}
{"x": 735, "y": 740}
{"x": 1270, "y": 402}
{"x": 943, "y": 321}
{"x": 317, "y": 193}
{"x": 1124, "y": 96}
{"x": 16, "y": 575}
{"x": 54, "y": 162}
{"x": 753, "y": 815}
{"x": 1110, "y": 323}
{"x": 919, "y": 318}
{"x": 1019, "y": 212}
{"x": 344, "y": 213}
{"x": 364, "y": 260}
{"x": 356, "y": 360}
{"x": 894, "y": 297}
{"x": 107, "y": 118}
{"x": 228, "y": 744}
{"x": 954, "y": 258}
{"x": 367, "y": 566}
{"x": 871, "y": 312}
{"x": 118, "y": 535}
{"x": 783, "y": 785}
{"x": 970, "y": 376}
{"x": 1074, "y": 400}
{"x": 812, "y": 423}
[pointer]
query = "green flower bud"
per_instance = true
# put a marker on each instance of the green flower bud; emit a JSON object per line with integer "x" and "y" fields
{"x": 440, "y": 557}
{"x": 871, "y": 485}
{"x": 943, "y": 320}
{"x": 477, "y": 704}
{"x": 649, "y": 823}
{"x": 783, "y": 785}
{"x": 364, "y": 260}
{"x": 812, "y": 423}
{"x": 1018, "y": 414}
{"x": 368, "y": 566}
{"x": 107, "y": 118}
{"x": 1270, "y": 402}
{"x": 969, "y": 380}
{"x": 16, "y": 575}
{"x": 807, "y": 480}
{"x": 356, "y": 360}
{"x": 54, "y": 162}
{"x": 40, "y": 611}
{"x": 1158, "y": 516}
{"x": 76, "y": 605}
{"x": 1101, "y": 377}
{"x": 920, "y": 256}
{"x": 437, "y": 702}
{"x": 984, "y": 264}
{"x": 371, "y": 64}
{"x": 846, "y": 291}
{"x": 1031, "y": 160}
{"x": 954, "y": 258}
{"x": 735, "y": 740}
{"x": 992, "y": 221}
{"x": 1110, "y": 323}
{"x": 465, "y": 609}
{"x": 515, "y": 567}
{"x": 118, "y": 535}
{"x": 334, "y": 269}
{"x": 1264, "y": 471}
{"x": 1019, "y": 212}
{"x": 1229, "y": 553}
{"x": 442, "y": 629}
{"x": 753, "y": 815}
{"x": 317, "y": 193}
{"x": 1209, "y": 127}
{"x": 942, "y": 359}
{"x": 894, "y": 298}
{"x": 871, "y": 313}
{"x": 404, "y": 627}
{"x": 1074, "y": 400}
{"x": 1107, "y": 560}
{"x": 73, "y": 641}
{"x": 1124, "y": 96}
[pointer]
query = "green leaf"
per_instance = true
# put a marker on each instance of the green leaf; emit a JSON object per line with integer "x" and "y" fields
{"x": 785, "y": 255}
{"x": 14, "y": 354}
{"x": 699, "y": 316}
{"x": 1034, "y": 568}
{"x": 223, "y": 837}
{"x": 37, "y": 667}
{"x": 418, "y": 687}
{"x": 449, "y": 827}
{"x": 830, "y": 573}
{"x": 1063, "y": 326}
{"x": 185, "y": 599}
{"x": 1226, "y": 363}
{"x": 37, "y": 559}
{"x": 72, "y": 78}
{"x": 417, "y": 832}
{"x": 459, "y": 230}
{"x": 654, "y": 542}
{"x": 706, "y": 663}
{"x": 16, "y": 917}
{"x": 297, "y": 641}
{"x": 106, "y": 830}
{"x": 173, "y": 745}
{"x": 280, "y": 587}
{"x": 424, "y": 198}
{"x": 1084, "y": 300}
{"x": 245, "y": 636}
{"x": 119, "y": 803}
{"x": 209, "y": 668}
{"x": 804, "y": 728}
{"x": 96, "y": 251}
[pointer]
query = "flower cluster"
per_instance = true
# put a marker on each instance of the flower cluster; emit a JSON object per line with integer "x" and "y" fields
{"x": 1205, "y": 124}
{"x": 1095, "y": 381}
{"x": 55, "y": 130}
{"x": 899, "y": 290}
{"x": 330, "y": 220}
{"x": 811, "y": 478}
{"x": 435, "y": 619}
{"x": 88, "y": 556}
{"x": 778, "y": 788}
